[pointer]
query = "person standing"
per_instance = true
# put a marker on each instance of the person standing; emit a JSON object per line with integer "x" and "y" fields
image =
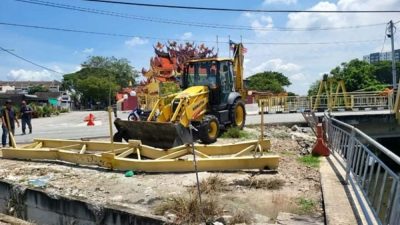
{"x": 26, "y": 116}
{"x": 8, "y": 120}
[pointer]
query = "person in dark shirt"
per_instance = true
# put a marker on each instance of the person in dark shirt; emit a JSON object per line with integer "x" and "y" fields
{"x": 8, "y": 122}
{"x": 26, "y": 116}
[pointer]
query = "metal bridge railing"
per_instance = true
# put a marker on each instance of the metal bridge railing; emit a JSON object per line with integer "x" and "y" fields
{"x": 371, "y": 169}
{"x": 353, "y": 100}
{"x": 349, "y": 101}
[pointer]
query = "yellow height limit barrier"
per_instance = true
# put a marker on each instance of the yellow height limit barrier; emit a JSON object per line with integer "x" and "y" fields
{"x": 139, "y": 157}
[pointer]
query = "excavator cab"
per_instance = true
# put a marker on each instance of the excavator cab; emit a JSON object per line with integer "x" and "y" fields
{"x": 216, "y": 74}
{"x": 210, "y": 100}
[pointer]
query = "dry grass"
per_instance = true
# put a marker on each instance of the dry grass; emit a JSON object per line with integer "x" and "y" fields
{"x": 241, "y": 216}
{"x": 188, "y": 209}
{"x": 212, "y": 185}
{"x": 252, "y": 182}
{"x": 281, "y": 203}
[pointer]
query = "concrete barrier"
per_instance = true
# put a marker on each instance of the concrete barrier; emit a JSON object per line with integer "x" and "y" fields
{"x": 252, "y": 109}
{"x": 42, "y": 208}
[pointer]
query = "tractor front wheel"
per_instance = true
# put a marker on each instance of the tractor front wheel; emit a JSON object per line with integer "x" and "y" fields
{"x": 209, "y": 129}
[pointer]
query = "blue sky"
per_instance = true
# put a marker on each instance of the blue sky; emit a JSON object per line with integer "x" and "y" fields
{"x": 303, "y": 64}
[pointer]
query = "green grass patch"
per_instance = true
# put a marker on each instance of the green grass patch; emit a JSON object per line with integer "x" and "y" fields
{"x": 235, "y": 132}
{"x": 281, "y": 135}
{"x": 287, "y": 153}
{"x": 306, "y": 205}
{"x": 310, "y": 160}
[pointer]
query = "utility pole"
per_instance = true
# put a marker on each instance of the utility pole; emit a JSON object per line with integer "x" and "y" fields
{"x": 217, "y": 46}
{"x": 391, "y": 35}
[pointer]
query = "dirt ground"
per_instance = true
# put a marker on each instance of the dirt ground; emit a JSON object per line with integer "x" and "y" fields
{"x": 144, "y": 192}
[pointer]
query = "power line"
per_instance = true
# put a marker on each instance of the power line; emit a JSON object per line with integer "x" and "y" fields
{"x": 240, "y": 10}
{"x": 174, "y": 39}
{"x": 187, "y": 23}
{"x": 99, "y": 33}
{"x": 313, "y": 43}
{"x": 29, "y": 61}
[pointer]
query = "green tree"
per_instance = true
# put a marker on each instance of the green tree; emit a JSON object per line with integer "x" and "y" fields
{"x": 268, "y": 81}
{"x": 120, "y": 68}
{"x": 383, "y": 72}
{"x": 97, "y": 89}
{"x": 357, "y": 75}
{"x": 362, "y": 76}
{"x": 98, "y": 76}
{"x": 313, "y": 90}
{"x": 37, "y": 88}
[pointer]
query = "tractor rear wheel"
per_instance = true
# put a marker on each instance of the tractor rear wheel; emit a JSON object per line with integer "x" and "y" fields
{"x": 209, "y": 129}
{"x": 238, "y": 114}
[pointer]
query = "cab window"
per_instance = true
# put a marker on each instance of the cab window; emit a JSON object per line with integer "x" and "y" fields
{"x": 202, "y": 73}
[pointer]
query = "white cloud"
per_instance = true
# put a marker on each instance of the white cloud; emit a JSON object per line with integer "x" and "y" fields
{"x": 24, "y": 75}
{"x": 338, "y": 20}
{"x": 317, "y": 19}
{"x": 88, "y": 50}
{"x": 187, "y": 35}
{"x": 136, "y": 41}
{"x": 260, "y": 23}
{"x": 77, "y": 68}
{"x": 297, "y": 77}
{"x": 313, "y": 60}
{"x": 58, "y": 69}
{"x": 276, "y": 65}
{"x": 286, "y": 2}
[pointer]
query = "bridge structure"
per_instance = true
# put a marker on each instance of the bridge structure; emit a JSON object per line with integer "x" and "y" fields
{"x": 354, "y": 123}
{"x": 372, "y": 170}
{"x": 349, "y": 101}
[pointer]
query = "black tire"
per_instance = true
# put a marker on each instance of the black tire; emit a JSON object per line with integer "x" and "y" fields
{"x": 209, "y": 129}
{"x": 117, "y": 137}
{"x": 132, "y": 118}
{"x": 233, "y": 112}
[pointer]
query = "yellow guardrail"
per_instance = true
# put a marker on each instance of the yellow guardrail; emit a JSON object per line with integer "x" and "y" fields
{"x": 348, "y": 101}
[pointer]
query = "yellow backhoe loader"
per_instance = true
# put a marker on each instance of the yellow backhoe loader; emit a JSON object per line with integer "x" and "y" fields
{"x": 212, "y": 99}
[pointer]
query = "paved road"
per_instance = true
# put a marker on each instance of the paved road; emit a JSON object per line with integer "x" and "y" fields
{"x": 66, "y": 126}
{"x": 71, "y": 125}
{"x": 280, "y": 118}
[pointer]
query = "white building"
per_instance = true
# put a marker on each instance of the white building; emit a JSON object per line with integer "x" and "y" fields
{"x": 5, "y": 88}
{"x": 23, "y": 86}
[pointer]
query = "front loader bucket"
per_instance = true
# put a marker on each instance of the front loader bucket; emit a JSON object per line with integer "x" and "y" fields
{"x": 156, "y": 134}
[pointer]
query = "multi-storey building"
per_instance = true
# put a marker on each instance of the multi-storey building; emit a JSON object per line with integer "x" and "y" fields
{"x": 384, "y": 56}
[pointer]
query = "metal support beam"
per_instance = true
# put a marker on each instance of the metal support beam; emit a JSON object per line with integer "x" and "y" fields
{"x": 177, "y": 159}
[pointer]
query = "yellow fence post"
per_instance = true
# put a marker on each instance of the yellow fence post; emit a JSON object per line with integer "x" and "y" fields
{"x": 111, "y": 129}
{"x": 262, "y": 121}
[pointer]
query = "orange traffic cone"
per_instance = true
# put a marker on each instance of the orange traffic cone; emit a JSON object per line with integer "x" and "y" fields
{"x": 320, "y": 147}
{"x": 90, "y": 120}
